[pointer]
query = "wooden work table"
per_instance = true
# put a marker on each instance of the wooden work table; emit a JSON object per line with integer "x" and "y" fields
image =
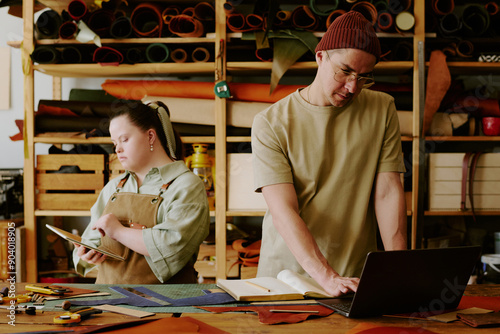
{"x": 242, "y": 323}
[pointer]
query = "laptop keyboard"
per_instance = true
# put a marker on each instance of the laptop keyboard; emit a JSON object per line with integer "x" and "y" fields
{"x": 345, "y": 307}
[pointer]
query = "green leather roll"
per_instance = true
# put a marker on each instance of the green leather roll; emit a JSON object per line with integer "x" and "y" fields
{"x": 45, "y": 55}
{"x": 157, "y": 53}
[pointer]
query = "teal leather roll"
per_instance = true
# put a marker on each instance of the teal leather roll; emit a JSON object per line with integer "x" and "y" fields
{"x": 324, "y": 12}
{"x": 157, "y": 53}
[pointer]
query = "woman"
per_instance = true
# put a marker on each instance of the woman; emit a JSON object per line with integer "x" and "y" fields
{"x": 155, "y": 215}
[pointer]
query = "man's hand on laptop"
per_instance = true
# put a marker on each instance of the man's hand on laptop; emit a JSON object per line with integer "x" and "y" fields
{"x": 339, "y": 285}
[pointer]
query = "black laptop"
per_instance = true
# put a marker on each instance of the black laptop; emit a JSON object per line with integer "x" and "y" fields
{"x": 423, "y": 280}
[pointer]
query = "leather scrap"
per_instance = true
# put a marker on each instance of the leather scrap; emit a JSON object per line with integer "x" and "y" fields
{"x": 480, "y": 320}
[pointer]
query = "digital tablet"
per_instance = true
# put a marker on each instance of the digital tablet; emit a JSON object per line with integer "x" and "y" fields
{"x": 78, "y": 240}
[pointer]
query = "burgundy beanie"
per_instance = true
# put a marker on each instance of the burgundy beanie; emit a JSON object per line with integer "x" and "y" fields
{"x": 351, "y": 31}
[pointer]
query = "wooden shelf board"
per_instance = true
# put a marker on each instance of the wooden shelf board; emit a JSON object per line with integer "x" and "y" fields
{"x": 107, "y": 140}
{"x": 463, "y": 213}
{"x": 96, "y": 70}
{"x": 238, "y": 139}
{"x": 106, "y": 41}
{"x": 462, "y": 138}
{"x": 65, "y": 213}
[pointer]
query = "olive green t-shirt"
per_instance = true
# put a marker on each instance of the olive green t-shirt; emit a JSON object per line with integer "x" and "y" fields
{"x": 331, "y": 155}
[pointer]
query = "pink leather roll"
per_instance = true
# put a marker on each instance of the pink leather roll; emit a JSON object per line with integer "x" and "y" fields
{"x": 146, "y": 20}
{"x": 186, "y": 26}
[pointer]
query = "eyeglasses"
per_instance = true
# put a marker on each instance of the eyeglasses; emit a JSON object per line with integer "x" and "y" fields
{"x": 344, "y": 76}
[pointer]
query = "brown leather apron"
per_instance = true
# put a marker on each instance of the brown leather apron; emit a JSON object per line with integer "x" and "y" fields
{"x": 134, "y": 211}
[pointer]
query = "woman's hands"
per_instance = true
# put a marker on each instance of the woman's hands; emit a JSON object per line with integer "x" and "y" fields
{"x": 89, "y": 255}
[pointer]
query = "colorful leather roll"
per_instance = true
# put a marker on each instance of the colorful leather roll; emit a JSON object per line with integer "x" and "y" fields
{"x": 45, "y": 55}
{"x": 134, "y": 56}
{"x": 398, "y": 6}
{"x": 68, "y": 30}
{"x": 476, "y": 20}
{"x": 333, "y": 15}
{"x": 443, "y": 7}
{"x": 204, "y": 11}
{"x": 334, "y": 5}
{"x": 71, "y": 55}
{"x": 200, "y": 55}
{"x": 146, "y": 20}
{"x": 100, "y": 22}
{"x": 77, "y": 9}
{"x": 385, "y": 21}
{"x": 178, "y": 55}
{"x": 137, "y": 89}
{"x": 121, "y": 28}
{"x": 47, "y": 25}
{"x": 106, "y": 55}
{"x": 381, "y": 5}
{"x": 157, "y": 53}
{"x": 367, "y": 9}
{"x": 81, "y": 108}
{"x": 304, "y": 18}
{"x": 186, "y": 26}
{"x": 169, "y": 12}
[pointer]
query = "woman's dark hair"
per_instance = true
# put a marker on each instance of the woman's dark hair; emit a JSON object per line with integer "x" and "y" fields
{"x": 145, "y": 118}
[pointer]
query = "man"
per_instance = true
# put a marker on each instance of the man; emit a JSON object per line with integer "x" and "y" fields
{"x": 327, "y": 159}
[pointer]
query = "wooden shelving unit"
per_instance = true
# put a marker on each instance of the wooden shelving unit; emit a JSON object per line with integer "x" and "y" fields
{"x": 220, "y": 68}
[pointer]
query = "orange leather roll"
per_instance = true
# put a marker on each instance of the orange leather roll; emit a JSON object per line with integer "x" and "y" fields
{"x": 186, "y": 26}
{"x": 178, "y": 55}
{"x": 465, "y": 48}
{"x": 189, "y": 11}
{"x": 254, "y": 21}
{"x": 200, "y": 55}
{"x": 304, "y": 18}
{"x": 492, "y": 8}
{"x": 385, "y": 21}
{"x": 138, "y": 89}
{"x": 333, "y": 15}
{"x": 264, "y": 54}
{"x": 146, "y": 20}
{"x": 443, "y": 7}
{"x": 236, "y": 22}
{"x": 77, "y": 9}
{"x": 204, "y": 11}
{"x": 169, "y": 12}
{"x": 367, "y": 9}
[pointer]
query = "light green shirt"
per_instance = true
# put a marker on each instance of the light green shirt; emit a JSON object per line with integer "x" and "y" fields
{"x": 182, "y": 221}
{"x": 331, "y": 155}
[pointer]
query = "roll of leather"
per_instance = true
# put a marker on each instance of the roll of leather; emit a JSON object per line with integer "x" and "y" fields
{"x": 84, "y": 108}
{"x": 402, "y": 51}
{"x": 179, "y": 55}
{"x": 464, "y": 48}
{"x": 385, "y": 21}
{"x": 492, "y": 8}
{"x": 77, "y": 9}
{"x": 304, "y": 18}
{"x": 134, "y": 56}
{"x": 200, "y": 55}
{"x": 169, "y": 12}
{"x": 367, "y": 9}
{"x": 106, "y": 55}
{"x": 189, "y": 11}
{"x": 45, "y": 123}
{"x": 47, "y": 25}
{"x": 450, "y": 24}
{"x": 100, "y": 22}
{"x": 254, "y": 21}
{"x": 381, "y": 5}
{"x": 476, "y": 20}
{"x": 45, "y": 55}
{"x": 333, "y": 15}
{"x": 283, "y": 18}
{"x": 121, "y": 28}
{"x": 137, "y": 89}
{"x": 398, "y": 6}
{"x": 443, "y": 7}
{"x": 157, "y": 53}
{"x": 236, "y": 22}
{"x": 204, "y": 11}
{"x": 334, "y": 5}
{"x": 68, "y": 30}
{"x": 71, "y": 55}
{"x": 186, "y": 26}
{"x": 264, "y": 54}
{"x": 228, "y": 8}
{"x": 146, "y": 20}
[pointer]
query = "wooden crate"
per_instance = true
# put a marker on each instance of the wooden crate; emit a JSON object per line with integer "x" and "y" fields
{"x": 115, "y": 167}
{"x": 445, "y": 182}
{"x": 68, "y": 191}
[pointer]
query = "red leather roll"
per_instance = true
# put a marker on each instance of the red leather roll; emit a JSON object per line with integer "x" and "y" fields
{"x": 146, "y": 20}
{"x": 77, "y": 9}
{"x": 106, "y": 55}
{"x": 385, "y": 21}
{"x": 236, "y": 22}
{"x": 68, "y": 30}
{"x": 304, "y": 18}
{"x": 138, "y": 89}
{"x": 254, "y": 21}
{"x": 186, "y": 26}
{"x": 491, "y": 8}
{"x": 443, "y": 7}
